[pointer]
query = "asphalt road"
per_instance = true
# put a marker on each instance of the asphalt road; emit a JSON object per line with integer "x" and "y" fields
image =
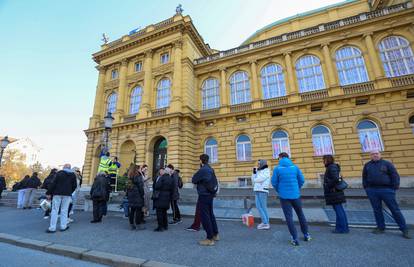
{"x": 239, "y": 246}
{"x": 12, "y": 256}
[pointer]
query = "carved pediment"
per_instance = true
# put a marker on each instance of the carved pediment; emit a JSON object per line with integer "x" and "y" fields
{"x": 163, "y": 69}
{"x": 111, "y": 84}
{"x": 138, "y": 76}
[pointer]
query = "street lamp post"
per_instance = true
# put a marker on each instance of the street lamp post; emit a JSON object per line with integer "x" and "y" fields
{"x": 4, "y": 143}
{"x": 108, "y": 120}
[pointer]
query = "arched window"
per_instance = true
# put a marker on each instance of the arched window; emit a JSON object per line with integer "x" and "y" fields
{"x": 136, "y": 97}
{"x": 397, "y": 56}
{"x": 244, "y": 148}
{"x": 210, "y": 93}
{"x": 309, "y": 74}
{"x": 273, "y": 83}
{"x": 369, "y": 136}
{"x": 211, "y": 149}
{"x": 240, "y": 88}
{"x": 411, "y": 122}
{"x": 111, "y": 103}
{"x": 351, "y": 66}
{"x": 322, "y": 141}
{"x": 163, "y": 93}
{"x": 280, "y": 143}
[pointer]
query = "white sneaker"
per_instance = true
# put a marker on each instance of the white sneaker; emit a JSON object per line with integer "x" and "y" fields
{"x": 71, "y": 212}
{"x": 70, "y": 220}
{"x": 265, "y": 227}
{"x": 46, "y": 217}
{"x": 259, "y": 227}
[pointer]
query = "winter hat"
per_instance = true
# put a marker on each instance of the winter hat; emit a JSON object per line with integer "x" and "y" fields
{"x": 262, "y": 163}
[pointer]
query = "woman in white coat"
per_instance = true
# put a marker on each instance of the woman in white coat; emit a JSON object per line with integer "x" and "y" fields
{"x": 261, "y": 183}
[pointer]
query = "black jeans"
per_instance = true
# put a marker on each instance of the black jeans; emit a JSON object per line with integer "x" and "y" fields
{"x": 175, "y": 210}
{"x": 162, "y": 218}
{"x": 208, "y": 220}
{"x": 98, "y": 209}
{"x": 135, "y": 213}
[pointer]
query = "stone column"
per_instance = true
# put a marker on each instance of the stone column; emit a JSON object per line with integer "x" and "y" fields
{"x": 331, "y": 81}
{"x": 224, "y": 96}
{"x": 373, "y": 57}
{"x": 122, "y": 91}
{"x": 99, "y": 98}
{"x": 147, "y": 90}
{"x": 176, "y": 94}
{"x": 291, "y": 90}
{"x": 255, "y": 91}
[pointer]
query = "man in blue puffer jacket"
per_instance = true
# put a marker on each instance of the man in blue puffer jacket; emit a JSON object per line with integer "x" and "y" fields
{"x": 287, "y": 180}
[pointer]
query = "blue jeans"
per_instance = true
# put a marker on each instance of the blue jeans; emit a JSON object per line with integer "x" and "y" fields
{"x": 261, "y": 205}
{"x": 125, "y": 206}
{"x": 376, "y": 196}
{"x": 341, "y": 219}
{"x": 287, "y": 205}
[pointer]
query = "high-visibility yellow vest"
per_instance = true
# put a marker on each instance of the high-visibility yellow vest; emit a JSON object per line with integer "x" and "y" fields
{"x": 113, "y": 169}
{"x": 104, "y": 164}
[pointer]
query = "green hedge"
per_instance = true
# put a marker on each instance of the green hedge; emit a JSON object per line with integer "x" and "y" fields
{"x": 121, "y": 183}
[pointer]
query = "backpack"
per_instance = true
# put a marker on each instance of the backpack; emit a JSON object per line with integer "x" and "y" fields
{"x": 212, "y": 185}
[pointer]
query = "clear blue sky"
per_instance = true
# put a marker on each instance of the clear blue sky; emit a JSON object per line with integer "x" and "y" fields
{"x": 47, "y": 76}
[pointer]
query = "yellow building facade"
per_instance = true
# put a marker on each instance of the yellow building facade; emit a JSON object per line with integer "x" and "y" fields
{"x": 337, "y": 80}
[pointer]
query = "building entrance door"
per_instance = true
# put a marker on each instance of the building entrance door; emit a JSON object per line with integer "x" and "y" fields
{"x": 160, "y": 156}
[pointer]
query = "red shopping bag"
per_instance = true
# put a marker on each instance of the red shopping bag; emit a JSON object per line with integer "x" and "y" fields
{"x": 248, "y": 220}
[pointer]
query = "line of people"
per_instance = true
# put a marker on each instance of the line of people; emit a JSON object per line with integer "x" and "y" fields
{"x": 379, "y": 177}
{"x": 380, "y": 181}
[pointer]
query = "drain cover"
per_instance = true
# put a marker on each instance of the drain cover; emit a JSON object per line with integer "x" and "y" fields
{"x": 361, "y": 217}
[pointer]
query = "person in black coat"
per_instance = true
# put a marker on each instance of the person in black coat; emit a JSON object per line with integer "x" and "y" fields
{"x": 334, "y": 196}
{"x": 49, "y": 179}
{"x": 2, "y": 184}
{"x": 31, "y": 185}
{"x": 135, "y": 195}
{"x": 177, "y": 183}
{"x": 162, "y": 193}
{"x": 99, "y": 190}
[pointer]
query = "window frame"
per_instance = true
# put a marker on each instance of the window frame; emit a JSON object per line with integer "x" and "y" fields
{"x": 235, "y": 91}
{"x": 161, "y": 98}
{"x": 164, "y": 55}
{"x": 279, "y": 140}
{"x": 213, "y": 149}
{"x": 279, "y": 81}
{"x": 321, "y": 141}
{"x": 133, "y": 96}
{"x": 387, "y": 63}
{"x": 138, "y": 63}
{"x": 357, "y": 68}
{"x": 369, "y": 130}
{"x": 317, "y": 71}
{"x": 114, "y": 74}
{"x": 111, "y": 102}
{"x": 205, "y": 97}
{"x": 244, "y": 144}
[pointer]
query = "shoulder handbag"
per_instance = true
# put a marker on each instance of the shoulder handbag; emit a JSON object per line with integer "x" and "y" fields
{"x": 341, "y": 185}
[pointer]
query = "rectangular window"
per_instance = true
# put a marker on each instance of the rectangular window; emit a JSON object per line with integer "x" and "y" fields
{"x": 138, "y": 66}
{"x": 114, "y": 74}
{"x": 165, "y": 58}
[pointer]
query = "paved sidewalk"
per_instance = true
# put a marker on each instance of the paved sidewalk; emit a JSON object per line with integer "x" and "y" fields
{"x": 18, "y": 257}
{"x": 240, "y": 246}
